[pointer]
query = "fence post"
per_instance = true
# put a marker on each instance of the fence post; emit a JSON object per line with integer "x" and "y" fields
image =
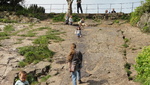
{"x": 132, "y": 6}
{"x": 63, "y": 8}
{"x": 50, "y": 7}
{"x": 110, "y": 8}
{"x": 86, "y": 8}
{"x": 121, "y": 7}
{"x": 97, "y": 8}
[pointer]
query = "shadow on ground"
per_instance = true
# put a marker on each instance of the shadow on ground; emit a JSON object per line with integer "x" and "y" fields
{"x": 93, "y": 82}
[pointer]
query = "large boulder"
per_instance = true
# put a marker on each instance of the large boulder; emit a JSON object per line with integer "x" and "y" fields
{"x": 144, "y": 21}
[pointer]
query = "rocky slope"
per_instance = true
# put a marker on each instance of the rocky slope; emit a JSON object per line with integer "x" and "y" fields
{"x": 101, "y": 45}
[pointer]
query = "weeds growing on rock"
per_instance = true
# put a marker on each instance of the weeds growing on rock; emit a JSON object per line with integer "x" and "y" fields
{"x": 127, "y": 67}
{"x": 43, "y": 79}
{"x": 40, "y": 51}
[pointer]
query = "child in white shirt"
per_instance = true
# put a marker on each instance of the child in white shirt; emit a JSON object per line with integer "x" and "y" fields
{"x": 78, "y": 31}
{"x": 70, "y": 20}
{"x": 22, "y": 77}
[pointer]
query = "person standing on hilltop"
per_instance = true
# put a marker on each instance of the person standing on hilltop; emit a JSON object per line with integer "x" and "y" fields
{"x": 74, "y": 60}
{"x": 113, "y": 11}
{"x": 79, "y": 6}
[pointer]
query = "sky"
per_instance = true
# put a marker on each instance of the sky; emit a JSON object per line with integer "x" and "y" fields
{"x": 88, "y": 6}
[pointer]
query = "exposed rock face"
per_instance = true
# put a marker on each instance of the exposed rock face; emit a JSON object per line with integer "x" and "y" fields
{"x": 144, "y": 21}
{"x": 101, "y": 46}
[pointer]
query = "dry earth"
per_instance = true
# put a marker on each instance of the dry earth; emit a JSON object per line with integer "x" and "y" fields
{"x": 102, "y": 49}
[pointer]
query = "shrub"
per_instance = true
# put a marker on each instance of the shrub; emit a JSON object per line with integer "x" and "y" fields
{"x": 59, "y": 17}
{"x": 35, "y": 9}
{"x": 143, "y": 66}
{"x": 146, "y": 29}
{"x": 75, "y": 17}
{"x": 135, "y": 16}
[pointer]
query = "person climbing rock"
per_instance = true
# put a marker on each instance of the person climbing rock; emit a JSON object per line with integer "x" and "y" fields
{"x": 74, "y": 60}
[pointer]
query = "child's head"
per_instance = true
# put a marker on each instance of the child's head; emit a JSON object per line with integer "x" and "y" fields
{"x": 22, "y": 75}
{"x": 78, "y": 28}
{"x": 73, "y": 46}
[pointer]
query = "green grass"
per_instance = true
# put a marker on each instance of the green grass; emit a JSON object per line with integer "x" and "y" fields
{"x": 7, "y": 21}
{"x": 34, "y": 53}
{"x": 43, "y": 79}
{"x": 4, "y": 35}
{"x": 125, "y": 45}
{"x": 51, "y": 34}
{"x": 16, "y": 32}
{"x": 116, "y": 21}
{"x": 29, "y": 34}
{"x": 126, "y": 40}
{"x": 9, "y": 28}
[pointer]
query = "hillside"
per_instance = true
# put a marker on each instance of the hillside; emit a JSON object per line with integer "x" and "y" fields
{"x": 104, "y": 47}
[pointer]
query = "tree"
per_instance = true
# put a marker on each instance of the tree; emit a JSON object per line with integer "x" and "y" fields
{"x": 69, "y": 7}
{"x": 11, "y": 5}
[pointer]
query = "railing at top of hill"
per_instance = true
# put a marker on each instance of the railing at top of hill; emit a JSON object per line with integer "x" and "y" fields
{"x": 91, "y": 8}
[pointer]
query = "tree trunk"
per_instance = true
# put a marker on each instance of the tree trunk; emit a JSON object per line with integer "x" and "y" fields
{"x": 69, "y": 12}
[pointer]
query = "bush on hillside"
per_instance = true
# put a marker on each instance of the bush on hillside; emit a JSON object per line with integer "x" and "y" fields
{"x": 59, "y": 17}
{"x": 35, "y": 9}
{"x": 135, "y": 16}
{"x": 143, "y": 66}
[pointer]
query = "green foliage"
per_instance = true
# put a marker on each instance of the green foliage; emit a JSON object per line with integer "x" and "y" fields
{"x": 35, "y": 9}
{"x": 59, "y": 17}
{"x": 135, "y": 16}
{"x": 75, "y": 17}
{"x": 32, "y": 79}
{"x": 127, "y": 67}
{"x": 33, "y": 53}
{"x": 125, "y": 45}
{"x": 43, "y": 79}
{"x": 7, "y": 21}
{"x": 8, "y": 28}
{"x": 34, "y": 83}
{"x": 124, "y": 52}
{"x": 51, "y": 15}
{"x": 126, "y": 40}
{"x": 24, "y": 12}
{"x": 51, "y": 34}
{"x": 4, "y": 35}
{"x": 143, "y": 66}
{"x": 146, "y": 29}
{"x": 29, "y": 34}
{"x": 42, "y": 40}
{"x": 22, "y": 64}
{"x": 116, "y": 21}
{"x": 125, "y": 17}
